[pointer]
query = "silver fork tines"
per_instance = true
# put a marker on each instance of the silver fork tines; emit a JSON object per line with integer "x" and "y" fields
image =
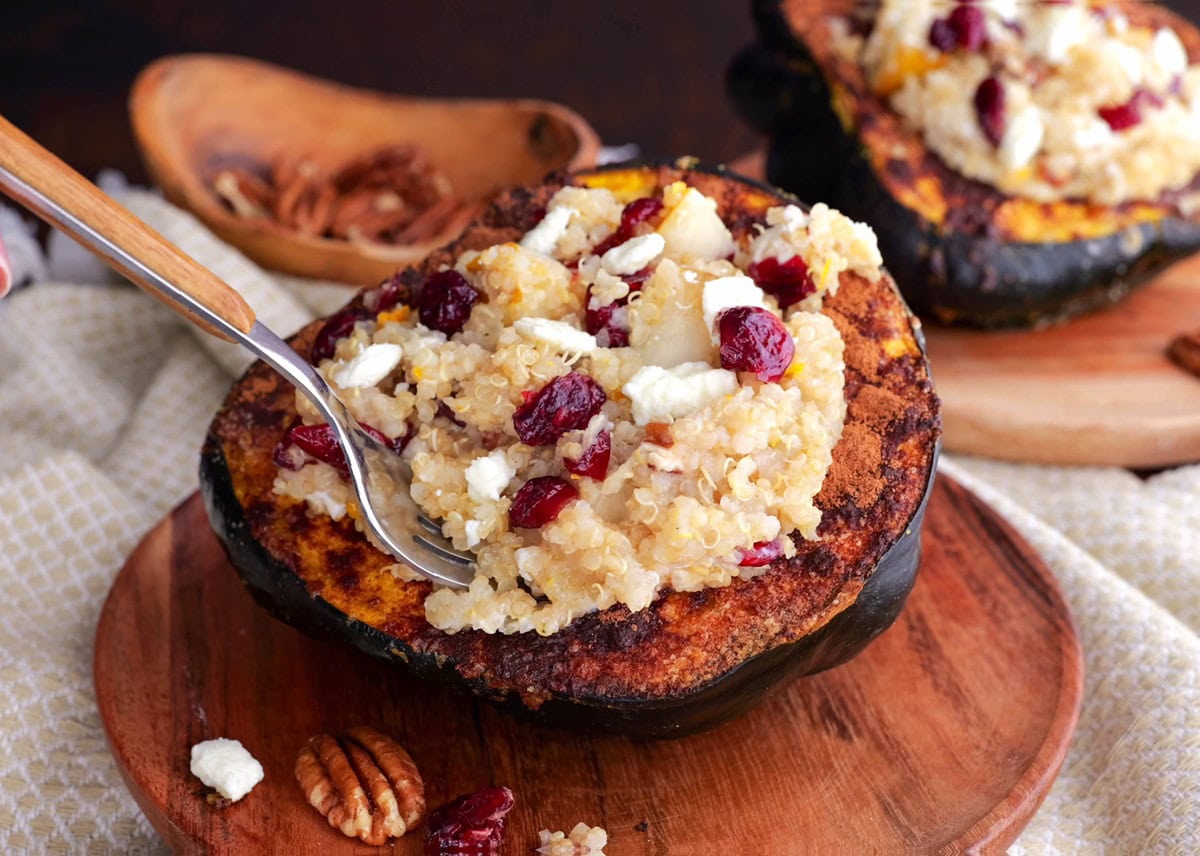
{"x": 378, "y": 475}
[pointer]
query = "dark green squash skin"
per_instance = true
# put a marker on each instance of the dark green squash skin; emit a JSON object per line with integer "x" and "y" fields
{"x": 281, "y": 593}
{"x": 946, "y": 275}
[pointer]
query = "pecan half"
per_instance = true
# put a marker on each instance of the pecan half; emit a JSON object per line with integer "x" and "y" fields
{"x": 364, "y": 784}
{"x": 306, "y": 197}
{"x": 246, "y": 193}
{"x": 1185, "y": 351}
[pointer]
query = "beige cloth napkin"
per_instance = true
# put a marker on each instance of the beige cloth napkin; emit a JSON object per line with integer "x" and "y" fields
{"x": 105, "y": 398}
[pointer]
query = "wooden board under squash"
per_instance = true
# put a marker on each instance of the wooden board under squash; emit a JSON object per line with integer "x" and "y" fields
{"x": 945, "y": 735}
{"x": 1096, "y": 390}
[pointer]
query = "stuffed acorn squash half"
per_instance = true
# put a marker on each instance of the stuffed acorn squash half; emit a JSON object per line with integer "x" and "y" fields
{"x": 685, "y": 425}
{"x": 1020, "y": 162}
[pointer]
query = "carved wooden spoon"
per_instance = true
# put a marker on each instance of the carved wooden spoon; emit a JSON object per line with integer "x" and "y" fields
{"x": 195, "y": 114}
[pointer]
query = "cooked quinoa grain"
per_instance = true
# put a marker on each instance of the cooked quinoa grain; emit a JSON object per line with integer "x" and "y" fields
{"x": 668, "y": 465}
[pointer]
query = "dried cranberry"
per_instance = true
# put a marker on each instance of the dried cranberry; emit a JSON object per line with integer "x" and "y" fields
{"x": 593, "y": 463}
{"x": 471, "y": 825}
{"x": 1131, "y": 112}
{"x": 989, "y": 109}
{"x": 754, "y": 340}
{"x": 320, "y": 442}
{"x": 386, "y": 296}
{"x": 965, "y": 28}
{"x": 286, "y": 455}
{"x": 610, "y": 327}
{"x": 639, "y": 211}
{"x": 606, "y": 324}
{"x": 942, "y": 35}
{"x": 339, "y": 326}
{"x": 970, "y": 27}
{"x": 567, "y": 402}
{"x": 446, "y": 301}
{"x": 762, "y": 553}
{"x": 539, "y": 501}
{"x": 634, "y": 214}
{"x": 789, "y": 282}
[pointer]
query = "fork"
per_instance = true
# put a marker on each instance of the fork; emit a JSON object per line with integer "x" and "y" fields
{"x": 53, "y": 191}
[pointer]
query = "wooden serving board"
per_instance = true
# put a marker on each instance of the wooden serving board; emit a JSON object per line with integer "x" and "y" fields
{"x": 943, "y": 736}
{"x": 1095, "y": 390}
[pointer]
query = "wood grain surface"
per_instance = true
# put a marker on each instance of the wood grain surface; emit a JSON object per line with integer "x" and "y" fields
{"x": 1097, "y": 389}
{"x": 944, "y": 736}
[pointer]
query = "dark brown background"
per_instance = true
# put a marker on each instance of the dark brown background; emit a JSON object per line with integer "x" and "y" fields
{"x": 648, "y": 72}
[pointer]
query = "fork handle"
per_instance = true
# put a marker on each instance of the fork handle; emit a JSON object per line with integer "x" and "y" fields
{"x": 65, "y": 199}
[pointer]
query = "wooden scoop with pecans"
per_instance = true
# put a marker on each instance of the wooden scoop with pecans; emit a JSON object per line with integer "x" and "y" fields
{"x": 392, "y": 195}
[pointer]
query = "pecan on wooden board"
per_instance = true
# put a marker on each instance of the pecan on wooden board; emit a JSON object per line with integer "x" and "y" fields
{"x": 363, "y": 782}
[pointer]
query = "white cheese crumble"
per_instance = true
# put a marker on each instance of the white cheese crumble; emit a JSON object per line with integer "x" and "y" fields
{"x": 726, "y": 292}
{"x": 559, "y": 335}
{"x": 324, "y": 501}
{"x": 473, "y": 530}
{"x": 658, "y": 394}
{"x": 488, "y": 476}
{"x": 633, "y": 255}
{"x": 543, "y": 237}
{"x": 373, "y": 364}
{"x": 1169, "y": 53}
{"x": 225, "y": 765}
{"x": 1022, "y": 138}
{"x": 1062, "y": 28}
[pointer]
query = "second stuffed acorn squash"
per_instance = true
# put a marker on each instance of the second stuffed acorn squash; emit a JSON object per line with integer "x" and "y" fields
{"x": 961, "y": 250}
{"x": 691, "y": 659}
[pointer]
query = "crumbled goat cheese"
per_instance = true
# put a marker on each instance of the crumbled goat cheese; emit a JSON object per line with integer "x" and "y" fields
{"x": 322, "y": 500}
{"x": 225, "y": 765}
{"x": 372, "y": 365}
{"x": 543, "y": 237}
{"x": 659, "y": 394}
{"x": 1022, "y": 138}
{"x": 633, "y": 255}
{"x": 726, "y": 292}
{"x": 488, "y": 476}
{"x": 1169, "y": 53}
{"x": 559, "y": 335}
{"x": 1064, "y": 28}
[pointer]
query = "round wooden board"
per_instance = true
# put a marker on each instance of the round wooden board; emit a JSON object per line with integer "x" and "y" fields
{"x": 943, "y": 736}
{"x": 1095, "y": 390}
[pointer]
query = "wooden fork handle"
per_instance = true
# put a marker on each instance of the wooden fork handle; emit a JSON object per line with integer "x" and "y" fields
{"x": 62, "y": 197}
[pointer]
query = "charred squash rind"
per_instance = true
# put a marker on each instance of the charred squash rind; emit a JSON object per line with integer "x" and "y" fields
{"x": 688, "y": 662}
{"x": 962, "y": 251}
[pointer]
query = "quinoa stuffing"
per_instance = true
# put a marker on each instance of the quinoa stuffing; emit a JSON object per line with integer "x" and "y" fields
{"x": 625, "y": 401}
{"x": 1042, "y": 100}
